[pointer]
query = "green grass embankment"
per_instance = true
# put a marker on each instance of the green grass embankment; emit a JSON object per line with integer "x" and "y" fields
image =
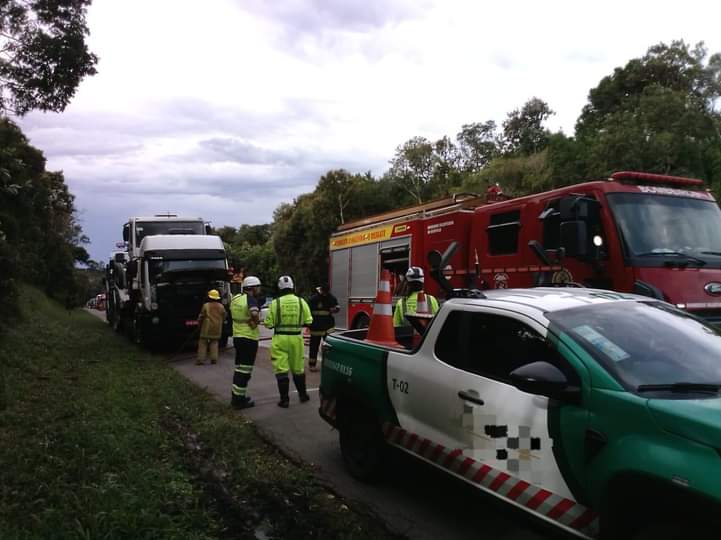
{"x": 99, "y": 439}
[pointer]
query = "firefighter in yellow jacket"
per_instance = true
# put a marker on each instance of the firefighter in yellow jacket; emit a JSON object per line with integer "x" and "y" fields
{"x": 407, "y": 304}
{"x": 287, "y": 316}
{"x": 211, "y": 318}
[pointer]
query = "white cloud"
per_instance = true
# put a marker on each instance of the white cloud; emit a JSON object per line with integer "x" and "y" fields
{"x": 226, "y": 108}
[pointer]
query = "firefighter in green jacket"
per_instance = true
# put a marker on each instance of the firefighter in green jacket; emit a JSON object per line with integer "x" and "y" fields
{"x": 245, "y": 312}
{"x": 287, "y": 316}
{"x": 407, "y": 304}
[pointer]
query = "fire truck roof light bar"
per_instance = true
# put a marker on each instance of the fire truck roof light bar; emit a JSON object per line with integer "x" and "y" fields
{"x": 640, "y": 177}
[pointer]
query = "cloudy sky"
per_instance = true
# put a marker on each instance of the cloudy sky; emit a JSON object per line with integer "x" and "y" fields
{"x": 226, "y": 108}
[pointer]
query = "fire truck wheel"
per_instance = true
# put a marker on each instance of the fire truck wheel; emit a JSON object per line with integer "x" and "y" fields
{"x": 361, "y": 321}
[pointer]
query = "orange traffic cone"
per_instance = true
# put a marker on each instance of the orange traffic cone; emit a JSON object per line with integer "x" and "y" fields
{"x": 422, "y": 304}
{"x": 381, "y": 329}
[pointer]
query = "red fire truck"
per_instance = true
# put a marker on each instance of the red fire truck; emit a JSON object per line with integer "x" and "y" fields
{"x": 649, "y": 234}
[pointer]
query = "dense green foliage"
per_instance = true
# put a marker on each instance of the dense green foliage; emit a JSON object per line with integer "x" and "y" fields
{"x": 39, "y": 237}
{"x": 656, "y": 114}
{"x": 43, "y": 55}
{"x": 101, "y": 440}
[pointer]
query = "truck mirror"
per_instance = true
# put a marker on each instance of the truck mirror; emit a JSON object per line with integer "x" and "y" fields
{"x": 574, "y": 238}
{"x": 208, "y": 229}
{"x": 126, "y": 232}
{"x": 578, "y": 207}
{"x": 544, "y": 379}
{"x": 434, "y": 259}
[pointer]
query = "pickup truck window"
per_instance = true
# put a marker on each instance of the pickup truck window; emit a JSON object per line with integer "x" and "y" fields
{"x": 493, "y": 346}
{"x": 449, "y": 344}
{"x": 497, "y": 345}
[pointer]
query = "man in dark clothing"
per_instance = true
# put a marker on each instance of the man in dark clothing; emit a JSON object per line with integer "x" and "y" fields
{"x": 322, "y": 306}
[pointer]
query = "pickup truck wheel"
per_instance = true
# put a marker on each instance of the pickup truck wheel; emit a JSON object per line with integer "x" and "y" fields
{"x": 363, "y": 447}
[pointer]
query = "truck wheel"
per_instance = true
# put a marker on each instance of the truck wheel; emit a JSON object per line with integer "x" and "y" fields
{"x": 362, "y": 446}
{"x": 361, "y": 321}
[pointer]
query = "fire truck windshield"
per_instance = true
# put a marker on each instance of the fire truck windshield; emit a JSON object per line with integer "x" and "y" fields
{"x": 654, "y": 226}
{"x": 149, "y": 228}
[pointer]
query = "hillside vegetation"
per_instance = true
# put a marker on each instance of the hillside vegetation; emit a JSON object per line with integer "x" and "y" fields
{"x": 101, "y": 440}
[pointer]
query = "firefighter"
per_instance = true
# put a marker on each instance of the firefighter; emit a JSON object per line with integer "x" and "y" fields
{"x": 245, "y": 312}
{"x": 407, "y": 304}
{"x": 322, "y": 307}
{"x": 211, "y": 318}
{"x": 287, "y": 316}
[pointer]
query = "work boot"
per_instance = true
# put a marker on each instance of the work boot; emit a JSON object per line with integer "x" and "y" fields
{"x": 242, "y": 403}
{"x": 299, "y": 381}
{"x": 283, "y": 388}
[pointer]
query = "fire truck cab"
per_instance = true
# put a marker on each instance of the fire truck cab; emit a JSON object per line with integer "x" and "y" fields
{"x": 655, "y": 235}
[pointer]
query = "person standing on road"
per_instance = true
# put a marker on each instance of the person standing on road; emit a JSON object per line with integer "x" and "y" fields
{"x": 322, "y": 307}
{"x": 287, "y": 316}
{"x": 245, "y": 312}
{"x": 211, "y": 318}
{"x": 407, "y": 304}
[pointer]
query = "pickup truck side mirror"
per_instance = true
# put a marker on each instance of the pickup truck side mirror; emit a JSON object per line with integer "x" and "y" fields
{"x": 544, "y": 379}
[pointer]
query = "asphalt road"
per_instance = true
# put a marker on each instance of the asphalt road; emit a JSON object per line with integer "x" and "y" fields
{"x": 414, "y": 500}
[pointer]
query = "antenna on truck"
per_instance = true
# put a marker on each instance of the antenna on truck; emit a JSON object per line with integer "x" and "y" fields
{"x": 437, "y": 263}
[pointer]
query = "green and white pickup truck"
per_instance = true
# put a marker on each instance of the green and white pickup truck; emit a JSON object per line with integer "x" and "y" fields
{"x": 595, "y": 411}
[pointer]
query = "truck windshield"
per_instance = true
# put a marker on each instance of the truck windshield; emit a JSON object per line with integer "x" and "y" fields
{"x": 160, "y": 267}
{"x": 645, "y": 343}
{"x": 654, "y": 226}
{"x": 150, "y": 228}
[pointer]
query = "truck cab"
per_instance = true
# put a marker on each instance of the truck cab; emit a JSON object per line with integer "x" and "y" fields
{"x": 138, "y": 228}
{"x": 173, "y": 274}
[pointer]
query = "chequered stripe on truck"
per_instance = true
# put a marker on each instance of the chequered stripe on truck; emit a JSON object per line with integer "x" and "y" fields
{"x": 561, "y": 510}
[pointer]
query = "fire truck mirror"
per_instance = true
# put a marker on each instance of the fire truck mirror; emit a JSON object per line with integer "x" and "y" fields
{"x": 434, "y": 259}
{"x": 126, "y": 232}
{"x": 578, "y": 207}
{"x": 574, "y": 238}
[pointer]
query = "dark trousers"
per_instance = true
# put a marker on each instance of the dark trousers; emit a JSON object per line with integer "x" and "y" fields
{"x": 245, "y": 352}
{"x": 315, "y": 337}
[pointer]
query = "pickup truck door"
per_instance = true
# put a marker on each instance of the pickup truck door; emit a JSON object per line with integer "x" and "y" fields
{"x": 423, "y": 388}
{"x": 516, "y": 432}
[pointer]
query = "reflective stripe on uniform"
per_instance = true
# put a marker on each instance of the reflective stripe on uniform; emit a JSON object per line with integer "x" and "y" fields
{"x": 238, "y": 390}
{"x": 243, "y": 368}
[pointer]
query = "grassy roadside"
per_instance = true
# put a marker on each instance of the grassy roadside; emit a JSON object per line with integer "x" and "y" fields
{"x": 101, "y": 440}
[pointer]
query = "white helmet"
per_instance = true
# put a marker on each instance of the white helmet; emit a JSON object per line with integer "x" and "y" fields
{"x": 414, "y": 273}
{"x": 251, "y": 281}
{"x": 285, "y": 282}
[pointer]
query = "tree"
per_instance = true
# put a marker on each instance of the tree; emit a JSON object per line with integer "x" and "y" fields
{"x": 478, "y": 144}
{"x": 43, "y": 55}
{"x": 656, "y": 114}
{"x": 523, "y": 131}
{"x": 412, "y": 166}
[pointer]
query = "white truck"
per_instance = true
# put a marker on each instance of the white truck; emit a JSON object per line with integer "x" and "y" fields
{"x": 158, "y": 288}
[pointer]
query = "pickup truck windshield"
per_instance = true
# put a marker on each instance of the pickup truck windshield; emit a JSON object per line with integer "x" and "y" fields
{"x": 646, "y": 343}
{"x": 657, "y": 228}
{"x": 151, "y": 228}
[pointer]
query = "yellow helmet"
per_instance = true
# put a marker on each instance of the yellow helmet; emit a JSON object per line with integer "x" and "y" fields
{"x": 213, "y": 294}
